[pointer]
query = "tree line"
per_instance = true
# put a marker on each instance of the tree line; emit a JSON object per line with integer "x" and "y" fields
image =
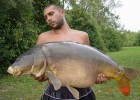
{"x": 21, "y": 21}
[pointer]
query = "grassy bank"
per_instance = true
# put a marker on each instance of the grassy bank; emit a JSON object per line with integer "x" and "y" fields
{"x": 26, "y": 88}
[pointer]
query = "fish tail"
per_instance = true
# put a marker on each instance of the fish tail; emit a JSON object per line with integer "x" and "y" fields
{"x": 124, "y": 85}
{"x": 124, "y": 81}
{"x": 130, "y": 73}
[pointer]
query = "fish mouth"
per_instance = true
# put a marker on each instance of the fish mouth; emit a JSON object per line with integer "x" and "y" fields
{"x": 10, "y": 70}
{"x": 14, "y": 71}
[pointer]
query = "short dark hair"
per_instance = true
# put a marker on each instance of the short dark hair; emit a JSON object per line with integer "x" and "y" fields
{"x": 58, "y": 7}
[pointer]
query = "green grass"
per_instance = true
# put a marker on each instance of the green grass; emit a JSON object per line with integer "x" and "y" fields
{"x": 21, "y": 88}
{"x": 26, "y": 88}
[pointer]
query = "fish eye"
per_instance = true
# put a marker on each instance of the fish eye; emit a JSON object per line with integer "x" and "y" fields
{"x": 23, "y": 58}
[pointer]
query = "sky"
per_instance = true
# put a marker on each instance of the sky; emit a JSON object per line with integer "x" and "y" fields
{"x": 129, "y": 14}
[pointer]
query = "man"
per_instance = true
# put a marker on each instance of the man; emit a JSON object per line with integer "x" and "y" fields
{"x": 55, "y": 17}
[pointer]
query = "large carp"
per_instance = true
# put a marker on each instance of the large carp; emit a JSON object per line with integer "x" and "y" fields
{"x": 72, "y": 65}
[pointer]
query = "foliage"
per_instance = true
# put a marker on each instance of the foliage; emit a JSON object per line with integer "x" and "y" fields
{"x": 95, "y": 18}
{"x": 84, "y": 21}
{"x": 138, "y": 39}
{"x": 17, "y": 32}
{"x": 113, "y": 40}
{"x": 131, "y": 38}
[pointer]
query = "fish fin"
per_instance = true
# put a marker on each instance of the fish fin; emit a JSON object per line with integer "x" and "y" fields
{"x": 74, "y": 92}
{"x": 54, "y": 80}
{"x": 32, "y": 69}
{"x": 52, "y": 69}
{"x": 19, "y": 73}
{"x": 124, "y": 85}
{"x": 43, "y": 70}
{"x": 130, "y": 73}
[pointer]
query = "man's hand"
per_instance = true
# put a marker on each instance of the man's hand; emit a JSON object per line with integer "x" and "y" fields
{"x": 41, "y": 78}
{"x": 101, "y": 78}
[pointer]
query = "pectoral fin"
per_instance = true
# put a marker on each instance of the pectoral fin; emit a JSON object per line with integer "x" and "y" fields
{"x": 124, "y": 85}
{"x": 32, "y": 69}
{"x": 74, "y": 92}
{"x": 54, "y": 80}
{"x": 43, "y": 70}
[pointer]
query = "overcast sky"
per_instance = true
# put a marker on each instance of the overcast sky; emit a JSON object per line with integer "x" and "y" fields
{"x": 129, "y": 14}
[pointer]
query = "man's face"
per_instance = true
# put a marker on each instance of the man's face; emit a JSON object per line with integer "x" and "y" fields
{"x": 54, "y": 17}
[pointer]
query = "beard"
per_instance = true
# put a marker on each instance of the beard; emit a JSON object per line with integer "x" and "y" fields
{"x": 58, "y": 24}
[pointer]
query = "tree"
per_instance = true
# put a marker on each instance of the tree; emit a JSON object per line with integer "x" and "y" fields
{"x": 17, "y": 32}
{"x": 96, "y": 18}
{"x": 84, "y": 21}
{"x": 130, "y": 38}
{"x": 138, "y": 38}
{"x": 113, "y": 40}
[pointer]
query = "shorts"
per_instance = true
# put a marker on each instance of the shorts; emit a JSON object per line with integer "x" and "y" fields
{"x": 64, "y": 94}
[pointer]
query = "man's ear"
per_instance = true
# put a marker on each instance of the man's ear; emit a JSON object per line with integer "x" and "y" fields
{"x": 63, "y": 11}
